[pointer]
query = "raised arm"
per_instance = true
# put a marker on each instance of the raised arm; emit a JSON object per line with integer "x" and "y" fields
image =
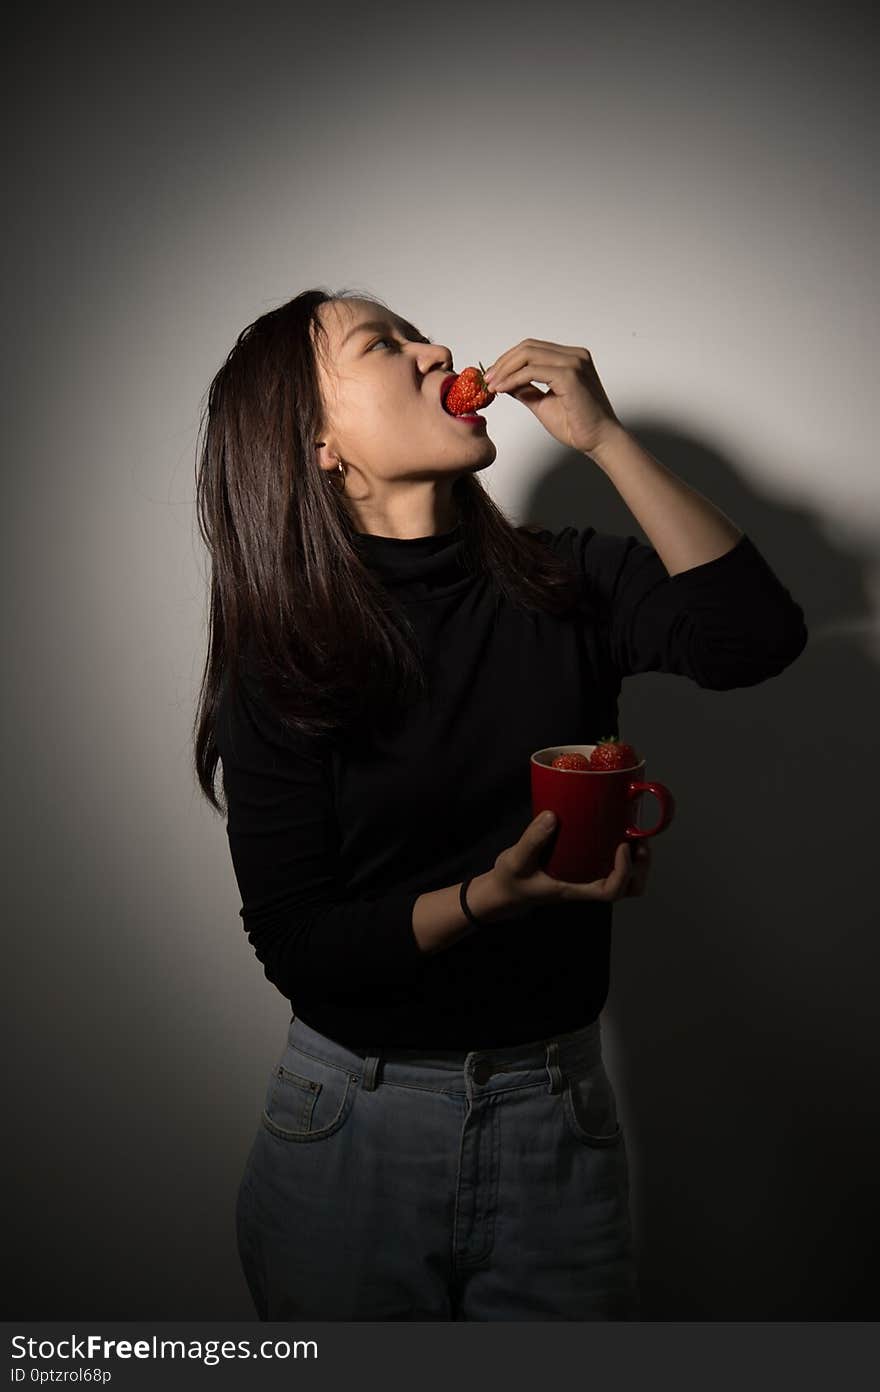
{"x": 726, "y": 623}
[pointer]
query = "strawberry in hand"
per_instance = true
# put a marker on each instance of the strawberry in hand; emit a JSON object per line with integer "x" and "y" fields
{"x": 468, "y": 393}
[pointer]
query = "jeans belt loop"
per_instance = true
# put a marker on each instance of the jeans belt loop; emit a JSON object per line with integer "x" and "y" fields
{"x": 553, "y": 1067}
{"x": 371, "y": 1066}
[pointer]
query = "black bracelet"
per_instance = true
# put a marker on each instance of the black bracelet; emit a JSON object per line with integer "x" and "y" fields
{"x": 463, "y": 901}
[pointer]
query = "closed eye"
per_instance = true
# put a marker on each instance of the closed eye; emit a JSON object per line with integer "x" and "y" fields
{"x": 377, "y": 341}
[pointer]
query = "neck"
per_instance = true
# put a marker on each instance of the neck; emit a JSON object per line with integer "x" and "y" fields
{"x": 407, "y": 515}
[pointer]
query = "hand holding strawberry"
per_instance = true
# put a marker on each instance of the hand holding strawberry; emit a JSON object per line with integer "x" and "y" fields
{"x": 575, "y": 409}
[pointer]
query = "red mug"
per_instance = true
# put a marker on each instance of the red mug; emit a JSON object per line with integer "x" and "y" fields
{"x": 596, "y": 809}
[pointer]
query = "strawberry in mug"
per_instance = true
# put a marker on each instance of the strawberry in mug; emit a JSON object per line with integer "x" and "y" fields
{"x": 593, "y": 789}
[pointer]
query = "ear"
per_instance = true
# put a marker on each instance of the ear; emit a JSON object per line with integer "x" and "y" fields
{"x": 327, "y": 458}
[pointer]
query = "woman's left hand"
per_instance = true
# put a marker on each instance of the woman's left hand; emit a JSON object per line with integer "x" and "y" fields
{"x": 574, "y": 409}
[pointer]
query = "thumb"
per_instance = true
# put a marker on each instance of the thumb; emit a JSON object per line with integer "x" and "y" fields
{"x": 522, "y": 858}
{"x": 537, "y": 834}
{"x": 527, "y": 394}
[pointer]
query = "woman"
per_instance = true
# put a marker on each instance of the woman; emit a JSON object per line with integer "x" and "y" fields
{"x": 439, "y": 1138}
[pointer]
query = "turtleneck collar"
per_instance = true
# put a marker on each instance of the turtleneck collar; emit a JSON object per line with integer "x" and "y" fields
{"x": 422, "y": 565}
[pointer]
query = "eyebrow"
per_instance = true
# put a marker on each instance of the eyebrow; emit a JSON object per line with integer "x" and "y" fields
{"x": 370, "y": 324}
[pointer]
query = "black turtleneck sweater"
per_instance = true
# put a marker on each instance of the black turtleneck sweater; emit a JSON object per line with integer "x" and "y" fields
{"x": 333, "y": 842}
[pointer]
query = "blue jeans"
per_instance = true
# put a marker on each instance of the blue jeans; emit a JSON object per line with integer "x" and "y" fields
{"x": 400, "y": 1184}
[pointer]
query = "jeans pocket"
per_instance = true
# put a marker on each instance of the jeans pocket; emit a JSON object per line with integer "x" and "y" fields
{"x": 307, "y": 1098}
{"x": 590, "y": 1107}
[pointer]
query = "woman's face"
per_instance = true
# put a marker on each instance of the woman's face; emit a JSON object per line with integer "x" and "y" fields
{"x": 381, "y": 388}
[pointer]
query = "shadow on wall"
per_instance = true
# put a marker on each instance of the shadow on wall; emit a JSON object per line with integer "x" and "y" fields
{"x": 741, "y": 1027}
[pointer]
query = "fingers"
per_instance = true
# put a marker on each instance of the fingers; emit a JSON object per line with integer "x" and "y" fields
{"x": 641, "y": 866}
{"x": 627, "y": 879}
{"x": 619, "y": 878}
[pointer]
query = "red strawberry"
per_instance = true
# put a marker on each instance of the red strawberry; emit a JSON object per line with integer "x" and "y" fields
{"x": 570, "y": 761}
{"x": 468, "y": 392}
{"x": 612, "y": 753}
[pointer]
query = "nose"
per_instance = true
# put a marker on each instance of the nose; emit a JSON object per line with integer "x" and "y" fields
{"x": 433, "y": 353}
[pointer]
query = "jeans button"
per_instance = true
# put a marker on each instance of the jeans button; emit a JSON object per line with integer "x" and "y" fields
{"x": 482, "y": 1071}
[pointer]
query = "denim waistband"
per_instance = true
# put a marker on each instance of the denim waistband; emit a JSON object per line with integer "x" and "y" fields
{"x": 484, "y": 1070}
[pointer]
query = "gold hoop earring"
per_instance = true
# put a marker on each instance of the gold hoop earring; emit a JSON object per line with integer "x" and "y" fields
{"x": 339, "y": 468}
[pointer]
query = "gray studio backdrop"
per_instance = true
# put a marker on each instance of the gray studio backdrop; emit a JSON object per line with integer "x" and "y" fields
{"x": 690, "y": 192}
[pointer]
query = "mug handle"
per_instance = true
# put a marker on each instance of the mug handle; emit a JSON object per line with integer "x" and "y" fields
{"x": 667, "y": 808}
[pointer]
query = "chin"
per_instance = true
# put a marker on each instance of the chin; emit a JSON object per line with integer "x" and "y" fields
{"x": 457, "y": 462}
{"x": 487, "y": 454}
{"x": 476, "y": 467}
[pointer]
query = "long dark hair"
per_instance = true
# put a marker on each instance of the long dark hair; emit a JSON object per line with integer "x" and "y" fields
{"x": 291, "y": 601}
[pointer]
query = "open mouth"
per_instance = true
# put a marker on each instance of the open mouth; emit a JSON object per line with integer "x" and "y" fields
{"x": 444, "y": 389}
